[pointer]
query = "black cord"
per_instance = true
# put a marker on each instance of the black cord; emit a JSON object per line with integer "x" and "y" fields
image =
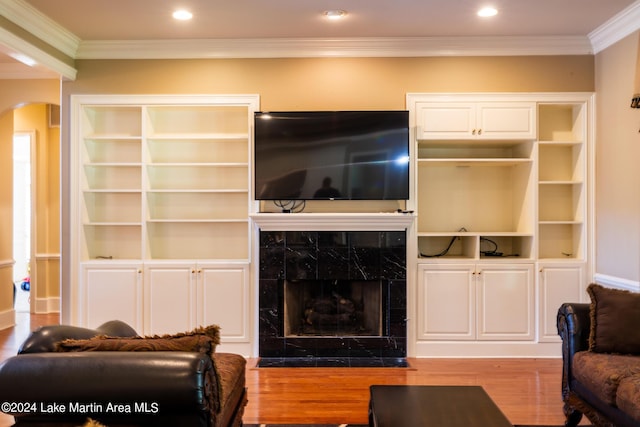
{"x": 445, "y": 250}
{"x": 492, "y": 252}
{"x": 290, "y": 206}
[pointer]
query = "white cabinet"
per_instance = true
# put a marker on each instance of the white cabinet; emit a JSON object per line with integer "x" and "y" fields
{"x": 170, "y": 298}
{"x": 506, "y": 302}
{"x": 476, "y": 302}
{"x": 478, "y": 120}
{"x": 162, "y": 184}
{"x": 180, "y": 296}
{"x": 558, "y": 282}
{"x": 111, "y": 291}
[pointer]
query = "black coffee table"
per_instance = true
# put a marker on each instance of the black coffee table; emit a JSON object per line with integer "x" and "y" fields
{"x": 436, "y": 406}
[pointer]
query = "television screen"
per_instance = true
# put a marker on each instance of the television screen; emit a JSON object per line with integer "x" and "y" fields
{"x": 332, "y": 155}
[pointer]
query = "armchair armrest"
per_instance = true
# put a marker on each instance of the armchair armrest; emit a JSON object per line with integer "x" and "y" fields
{"x": 574, "y": 325}
{"x": 159, "y": 383}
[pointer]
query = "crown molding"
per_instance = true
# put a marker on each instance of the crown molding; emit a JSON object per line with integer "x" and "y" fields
{"x": 334, "y": 47}
{"x": 17, "y": 44}
{"x": 41, "y": 26}
{"x": 616, "y": 28}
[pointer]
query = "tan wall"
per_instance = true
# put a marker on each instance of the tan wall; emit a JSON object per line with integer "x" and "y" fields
{"x": 17, "y": 93}
{"x": 318, "y": 83}
{"x": 34, "y": 117}
{"x": 617, "y": 155}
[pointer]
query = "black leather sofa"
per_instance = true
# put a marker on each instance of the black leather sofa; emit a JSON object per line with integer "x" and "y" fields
{"x": 615, "y": 376}
{"x": 119, "y": 388}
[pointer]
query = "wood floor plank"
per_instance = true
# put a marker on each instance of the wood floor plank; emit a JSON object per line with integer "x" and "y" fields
{"x": 526, "y": 390}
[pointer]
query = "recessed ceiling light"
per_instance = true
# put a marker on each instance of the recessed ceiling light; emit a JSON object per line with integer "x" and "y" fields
{"x": 336, "y": 14}
{"x": 486, "y": 12}
{"x": 182, "y": 15}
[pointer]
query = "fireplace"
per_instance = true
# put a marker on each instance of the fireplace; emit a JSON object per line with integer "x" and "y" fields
{"x": 332, "y": 298}
{"x": 332, "y": 308}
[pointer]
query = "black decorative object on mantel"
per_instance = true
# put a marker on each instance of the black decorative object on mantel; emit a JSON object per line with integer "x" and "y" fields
{"x": 332, "y": 298}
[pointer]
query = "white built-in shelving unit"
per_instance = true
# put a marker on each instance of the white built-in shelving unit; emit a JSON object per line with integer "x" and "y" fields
{"x": 161, "y": 204}
{"x": 501, "y": 195}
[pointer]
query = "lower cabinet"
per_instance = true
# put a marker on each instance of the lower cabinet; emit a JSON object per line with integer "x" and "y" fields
{"x": 559, "y": 282}
{"x": 476, "y": 302}
{"x": 168, "y": 297}
{"x": 111, "y": 291}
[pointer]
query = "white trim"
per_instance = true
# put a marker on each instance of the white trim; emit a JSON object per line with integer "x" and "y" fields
{"x": 47, "y": 305}
{"x": 616, "y": 28}
{"x": 617, "y": 282}
{"x": 332, "y": 221}
{"x": 44, "y": 59}
{"x": 6, "y": 263}
{"x": 46, "y": 29}
{"x": 334, "y": 47}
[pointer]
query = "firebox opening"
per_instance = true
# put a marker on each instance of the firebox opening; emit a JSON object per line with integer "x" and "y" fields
{"x": 332, "y": 308}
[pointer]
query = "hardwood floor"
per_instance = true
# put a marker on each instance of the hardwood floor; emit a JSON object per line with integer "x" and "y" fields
{"x": 526, "y": 390}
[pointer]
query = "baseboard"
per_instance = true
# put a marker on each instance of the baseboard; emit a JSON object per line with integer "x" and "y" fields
{"x": 47, "y": 305}
{"x": 7, "y": 319}
{"x": 617, "y": 282}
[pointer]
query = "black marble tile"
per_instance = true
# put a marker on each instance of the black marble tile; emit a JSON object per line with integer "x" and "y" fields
{"x": 333, "y": 362}
{"x": 333, "y": 260}
{"x": 301, "y": 263}
{"x": 272, "y": 262}
{"x": 333, "y": 263}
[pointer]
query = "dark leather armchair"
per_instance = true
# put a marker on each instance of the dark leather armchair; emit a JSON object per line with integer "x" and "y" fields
{"x": 120, "y": 388}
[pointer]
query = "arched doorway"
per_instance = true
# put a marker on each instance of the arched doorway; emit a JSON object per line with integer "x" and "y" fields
{"x": 40, "y": 122}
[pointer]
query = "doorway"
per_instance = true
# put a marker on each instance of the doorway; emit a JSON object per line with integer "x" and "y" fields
{"x": 23, "y": 204}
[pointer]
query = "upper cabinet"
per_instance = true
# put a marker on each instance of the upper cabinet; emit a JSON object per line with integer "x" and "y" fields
{"x": 476, "y": 120}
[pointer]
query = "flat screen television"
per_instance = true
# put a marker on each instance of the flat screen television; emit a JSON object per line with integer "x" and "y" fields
{"x": 332, "y": 155}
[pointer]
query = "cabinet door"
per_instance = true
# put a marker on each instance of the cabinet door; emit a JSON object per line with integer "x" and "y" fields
{"x": 170, "y": 294}
{"x": 446, "y": 302}
{"x": 559, "y": 283}
{"x": 510, "y": 120}
{"x": 111, "y": 292}
{"x": 444, "y": 120}
{"x": 505, "y": 302}
{"x": 224, "y": 300}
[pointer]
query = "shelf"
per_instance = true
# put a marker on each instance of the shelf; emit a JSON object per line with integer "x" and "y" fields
{"x": 113, "y": 176}
{"x": 188, "y": 177}
{"x": 472, "y": 246}
{"x": 113, "y": 150}
{"x": 196, "y": 120}
{"x": 561, "y": 122}
{"x": 112, "y": 121}
{"x": 474, "y": 162}
{"x": 206, "y": 149}
{"x": 561, "y": 240}
{"x": 116, "y": 241}
{"x": 198, "y": 240}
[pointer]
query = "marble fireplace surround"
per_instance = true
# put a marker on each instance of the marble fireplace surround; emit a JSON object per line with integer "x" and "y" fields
{"x": 332, "y": 248}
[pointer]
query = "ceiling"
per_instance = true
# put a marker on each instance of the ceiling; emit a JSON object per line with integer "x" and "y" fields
{"x": 92, "y": 22}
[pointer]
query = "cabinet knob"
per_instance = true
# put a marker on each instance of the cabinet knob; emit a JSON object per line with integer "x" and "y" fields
{"x": 479, "y": 131}
{"x": 473, "y": 132}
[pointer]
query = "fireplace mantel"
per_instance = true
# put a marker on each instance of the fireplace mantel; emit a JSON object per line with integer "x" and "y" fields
{"x": 333, "y": 221}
